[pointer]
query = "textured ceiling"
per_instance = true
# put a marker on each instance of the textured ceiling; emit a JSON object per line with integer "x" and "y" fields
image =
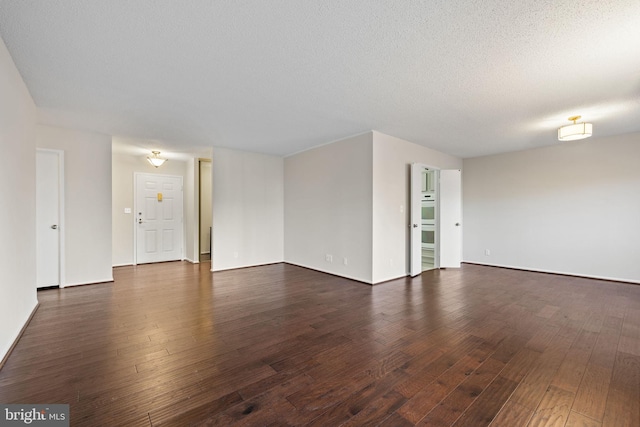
{"x": 464, "y": 77}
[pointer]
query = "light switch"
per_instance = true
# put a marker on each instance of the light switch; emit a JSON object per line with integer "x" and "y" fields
{"x": 127, "y": 210}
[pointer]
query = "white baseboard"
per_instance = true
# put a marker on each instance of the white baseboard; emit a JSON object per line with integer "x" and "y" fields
{"x": 333, "y": 273}
{"x": 562, "y": 273}
{"x": 93, "y": 282}
{"x": 5, "y": 356}
{"x": 243, "y": 266}
{"x": 389, "y": 279}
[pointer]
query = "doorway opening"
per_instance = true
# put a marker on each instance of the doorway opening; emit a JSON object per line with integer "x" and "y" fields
{"x": 436, "y": 238}
{"x": 429, "y": 213}
{"x": 205, "y": 212}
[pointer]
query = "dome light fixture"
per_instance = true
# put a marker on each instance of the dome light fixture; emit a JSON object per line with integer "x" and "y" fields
{"x": 155, "y": 159}
{"x": 575, "y": 131}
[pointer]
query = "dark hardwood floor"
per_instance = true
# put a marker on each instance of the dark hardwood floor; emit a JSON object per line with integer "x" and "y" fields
{"x": 173, "y": 344}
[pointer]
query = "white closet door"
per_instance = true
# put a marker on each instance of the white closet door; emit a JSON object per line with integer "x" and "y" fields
{"x": 47, "y": 218}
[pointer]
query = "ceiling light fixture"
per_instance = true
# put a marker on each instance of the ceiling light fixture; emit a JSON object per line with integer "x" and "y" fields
{"x": 155, "y": 159}
{"x": 575, "y": 131}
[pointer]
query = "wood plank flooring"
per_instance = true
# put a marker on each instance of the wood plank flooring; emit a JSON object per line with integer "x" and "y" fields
{"x": 172, "y": 344}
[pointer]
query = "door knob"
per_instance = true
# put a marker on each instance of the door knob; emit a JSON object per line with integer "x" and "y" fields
{"x": 54, "y": 227}
{"x": 415, "y": 225}
{"x": 457, "y": 224}
{"x": 140, "y": 221}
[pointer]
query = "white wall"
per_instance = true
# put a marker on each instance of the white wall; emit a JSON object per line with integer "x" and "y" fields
{"x": 247, "y": 209}
{"x": 392, "y": 158}
{"x": 87, "y": 202}
{"x": 572, "y": 208}
{"x": 328, "y": 204}
{"x": 18, "y": 192}
{"x": 123, "y": 169}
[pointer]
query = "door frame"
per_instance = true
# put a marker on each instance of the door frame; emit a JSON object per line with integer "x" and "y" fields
{"x": 135, "y": 209}
{"x": 61, "y": 222}
{"x": 413, "y": 197}
{"x": 412, "y": 209}
{"x": 198, "y": 198}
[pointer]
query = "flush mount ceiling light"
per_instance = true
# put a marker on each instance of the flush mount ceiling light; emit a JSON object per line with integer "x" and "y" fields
{"x": 575, "y": 131}
{"x": 155, "y": 159}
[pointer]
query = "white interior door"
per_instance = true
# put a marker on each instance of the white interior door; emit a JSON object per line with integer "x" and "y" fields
{"x": 47, "y": 218}
{"x": 159, "y": 226}
{"x": 415, "y": 190}
{"x": 450, "y": 218}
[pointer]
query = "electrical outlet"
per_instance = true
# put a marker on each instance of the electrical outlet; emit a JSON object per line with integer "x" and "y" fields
{"x": 328, "y": 258}
{"x": 345, "y": 261}
{"x": 235, "y": 254}
{"x": 487, "y": 252}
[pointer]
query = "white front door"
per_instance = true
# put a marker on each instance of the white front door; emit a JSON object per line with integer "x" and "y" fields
{"x": 48, "y": 175}
{"x": 158, "y": 218}
{"x": 450, "y": 218}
